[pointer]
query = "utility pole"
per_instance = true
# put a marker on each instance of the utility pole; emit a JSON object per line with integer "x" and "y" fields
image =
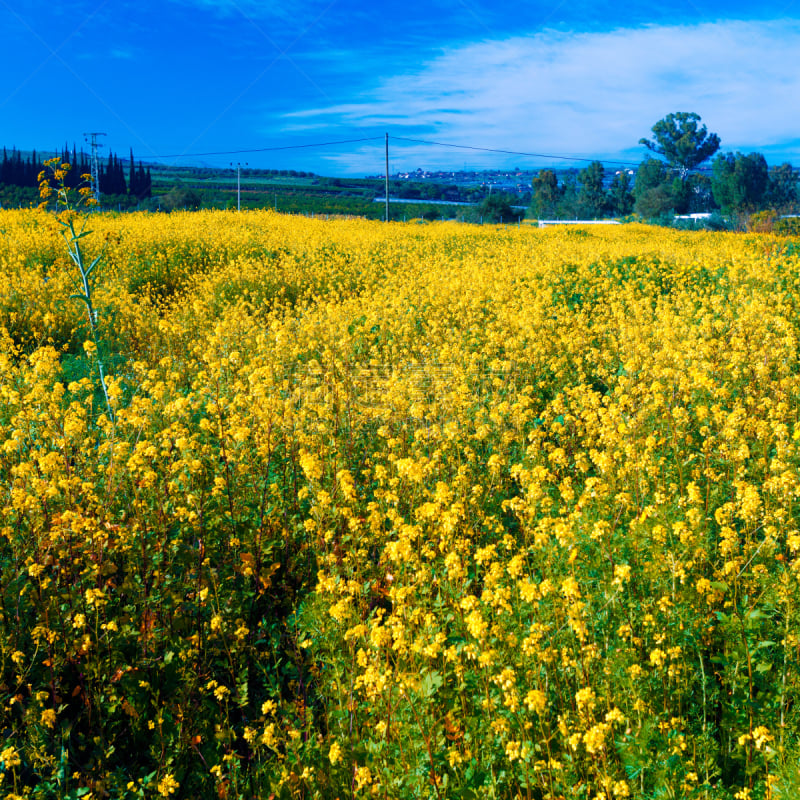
{"x": 91, "y": 138}
{"x": 387, "y": 177}
{"x": 238, "y": 185}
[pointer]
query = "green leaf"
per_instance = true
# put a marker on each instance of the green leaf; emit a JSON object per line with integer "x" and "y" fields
{"x": 93, "y": 265}
{"x": 431, "y": 681}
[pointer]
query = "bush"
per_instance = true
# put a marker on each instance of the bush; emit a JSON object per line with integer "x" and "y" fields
{"x": 787, "y": 226}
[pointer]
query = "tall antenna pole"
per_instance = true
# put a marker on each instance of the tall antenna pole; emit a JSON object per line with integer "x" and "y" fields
{"x": 95, "y": 145}
{"x": 387, "y": 177}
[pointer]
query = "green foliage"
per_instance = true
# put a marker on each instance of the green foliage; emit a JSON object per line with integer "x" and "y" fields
{"x": 782, "y": 188}
{"x": 545, "y": 194}
{"x": 18, "y": 196}
{"x": 179, "y": 197}
{"x": 620, "y": 194}
{"x": 653, "y": 192}
{"x": 592, "y": 202}
{"x": 763, "y": 221}
{"x": 681, "y": 142}
{"x": 739, "y": 182}
{"x": 788, "y": 227}
{"x": 496, "y": 207}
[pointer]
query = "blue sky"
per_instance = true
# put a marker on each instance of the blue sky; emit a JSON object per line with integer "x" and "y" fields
{"x": 566, "y": 78}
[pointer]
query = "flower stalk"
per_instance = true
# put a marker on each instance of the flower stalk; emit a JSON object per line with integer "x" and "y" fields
{"x": 56, "y": 173}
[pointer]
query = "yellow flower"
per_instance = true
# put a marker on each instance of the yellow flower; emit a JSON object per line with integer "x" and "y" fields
{"x": 536, "y": 700}
{"x": 594, "y": 738}
{"x": 221, "y": 692}
{"x": 761, "y": 736}
{"x": 311, "y": 465}
{"x": 48, "y": 718}
{"x": 585, "y": 699}
{"x": 513, "y": 750}
{"x": 10, "y": 757}
{"x": 622, "y": 573}
{"x": 657, "y": 657}
{"x": 168, "y": 785}
{"x": 268, "y": 707}
{"x": 35, "y": 570}
{"x": 335, "y": 753}
{"x": 363, "y": 776}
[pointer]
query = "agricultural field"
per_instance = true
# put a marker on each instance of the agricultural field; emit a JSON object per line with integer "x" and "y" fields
{"x": 398, "y": 511}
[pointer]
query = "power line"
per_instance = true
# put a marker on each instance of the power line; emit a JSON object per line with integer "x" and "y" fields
{"x": 271, "y": 149}
{"x": 398, "y": 139}
{"x": 510, "y": 152}
{"x": 474, "y": 148}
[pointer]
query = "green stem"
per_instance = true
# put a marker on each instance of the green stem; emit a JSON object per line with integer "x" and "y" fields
{"x": 75, "y": 253}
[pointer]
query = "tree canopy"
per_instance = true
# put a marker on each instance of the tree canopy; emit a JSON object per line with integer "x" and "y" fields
{"x": 497, "y": 208}
{"x": 782, "y": 192}
{"x": 546, "y": 194}
{"x": 620, "y": 194}
{"x": 681, "y": 142}
{"x": 592, "y": 201}
{"x": 739, "y": 181}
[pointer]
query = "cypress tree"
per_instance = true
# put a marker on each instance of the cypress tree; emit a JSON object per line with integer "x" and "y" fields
{"x": 74, "y": 174}
{"x": 19, "y": 169}
{"x": 30, "y": 170}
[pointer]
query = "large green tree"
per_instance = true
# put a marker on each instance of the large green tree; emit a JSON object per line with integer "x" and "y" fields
{"x": 652, "y": 190}
{"x": 739, "y": 182}
{"x": 545, "y": 194}
{"x": 591, "y": 195}
{"x": 620, "y": 194}
{"x": 496, "y": 207}
{"x": 682, "y": 142}
{"x": 782, "y": 190}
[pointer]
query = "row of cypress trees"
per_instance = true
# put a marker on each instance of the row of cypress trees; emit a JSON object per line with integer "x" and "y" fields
{"x": 18, "y": 171}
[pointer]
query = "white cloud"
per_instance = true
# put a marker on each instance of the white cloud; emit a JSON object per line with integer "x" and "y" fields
{"x": 590, "y": 94}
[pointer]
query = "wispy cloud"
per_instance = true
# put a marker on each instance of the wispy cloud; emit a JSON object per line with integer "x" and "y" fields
{"x": 592, "y": 93}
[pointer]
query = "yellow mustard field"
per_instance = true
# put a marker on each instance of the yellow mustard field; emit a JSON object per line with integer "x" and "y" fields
{"x": 398, "y": 511}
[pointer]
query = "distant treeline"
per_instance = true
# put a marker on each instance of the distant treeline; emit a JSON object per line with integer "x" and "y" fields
{"x": 245, "y": 172}
{"x": 738, "y": 185}
{"x": 23, "y": 172}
